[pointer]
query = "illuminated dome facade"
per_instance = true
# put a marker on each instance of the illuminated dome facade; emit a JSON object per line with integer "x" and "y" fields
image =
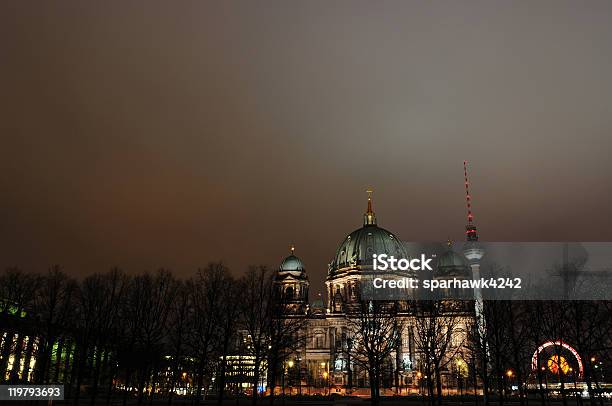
{"x": 292, "y": 265}
{"x": 358, "y": 247}
{"x": 452, "y": 264}
{"x": 353, "y": 259}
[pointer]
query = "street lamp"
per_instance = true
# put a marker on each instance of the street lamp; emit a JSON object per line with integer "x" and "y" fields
{"x": 325, "y": 376}
{"x": 509, "y": 374}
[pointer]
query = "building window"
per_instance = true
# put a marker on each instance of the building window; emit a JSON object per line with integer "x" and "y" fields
{"x": 319, "y": 340}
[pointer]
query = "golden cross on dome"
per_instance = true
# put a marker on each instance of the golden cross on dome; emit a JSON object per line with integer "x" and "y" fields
{"x": 292, "y": 248}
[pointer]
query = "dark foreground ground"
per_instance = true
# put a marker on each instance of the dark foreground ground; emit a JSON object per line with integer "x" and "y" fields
{"x": 337, "y": 401}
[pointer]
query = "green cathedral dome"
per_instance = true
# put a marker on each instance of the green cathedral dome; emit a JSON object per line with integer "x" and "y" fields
{"x": 292, "y": 264}
{"x": 452, "y": 264}
{"x": 292, "y": 267}
{"x": 359, "y": 246}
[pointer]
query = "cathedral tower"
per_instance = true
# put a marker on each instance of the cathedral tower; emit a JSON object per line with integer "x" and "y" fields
{"x": 291, "y": 284}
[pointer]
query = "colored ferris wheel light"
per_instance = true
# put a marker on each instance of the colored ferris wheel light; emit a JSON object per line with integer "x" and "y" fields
{"x": 557, "y": 362}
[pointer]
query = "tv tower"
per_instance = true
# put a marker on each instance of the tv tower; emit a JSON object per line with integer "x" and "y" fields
{"x": 474, "y": 252}
{"x": 472, "y": 249}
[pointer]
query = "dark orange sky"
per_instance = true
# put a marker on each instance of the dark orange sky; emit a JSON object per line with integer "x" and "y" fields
{"x": 148, "y": 134}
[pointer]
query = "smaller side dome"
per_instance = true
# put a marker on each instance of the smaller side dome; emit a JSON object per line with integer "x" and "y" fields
{"x": 452, "y": 264}
{"x": 292, "y": 264}
{"x": 291, "y": 267}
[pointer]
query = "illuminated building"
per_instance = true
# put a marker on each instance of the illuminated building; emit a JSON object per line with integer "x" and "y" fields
{"x": 324, "y": 363}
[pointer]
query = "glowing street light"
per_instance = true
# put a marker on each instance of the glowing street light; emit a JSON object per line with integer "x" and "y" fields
{"x": 509, "y": 373}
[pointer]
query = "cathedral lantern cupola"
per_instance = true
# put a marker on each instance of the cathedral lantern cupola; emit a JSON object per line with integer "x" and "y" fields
{"x": 369, "y": 217}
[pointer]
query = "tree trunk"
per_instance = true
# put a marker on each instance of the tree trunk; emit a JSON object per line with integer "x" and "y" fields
{"x": 43, "y": 361}
{"x": 272, "y": 384}
{"x": 438, "y": 386}
{"x": 373, "y": 389}
{"x": 221, "y": 377}
{"x": 541, "y": 386}
{"x": 200, "y": 374}
{"x": 128, "y": 382}
{"x": 80, "y": 362}
{"x": 96, "y": 375}
{"x": 256, "y": 383}
{"x": 142, "y": 379}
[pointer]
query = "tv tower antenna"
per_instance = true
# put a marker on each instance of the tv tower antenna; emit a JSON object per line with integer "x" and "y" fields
{"x": 470, "y": 229}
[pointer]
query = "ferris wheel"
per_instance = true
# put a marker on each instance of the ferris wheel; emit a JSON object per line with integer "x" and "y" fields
{"x": 557, "y": 363}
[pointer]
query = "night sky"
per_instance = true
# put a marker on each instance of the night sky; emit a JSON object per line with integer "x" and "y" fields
{"x": 150, "y": 134}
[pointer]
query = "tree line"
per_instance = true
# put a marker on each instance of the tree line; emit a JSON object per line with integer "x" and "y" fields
{"x": 115, "y": 335}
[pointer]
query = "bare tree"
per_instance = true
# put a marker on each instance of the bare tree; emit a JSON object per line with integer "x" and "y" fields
{"x": 589, "y": 330}
{"x": 477, "y": 346}
{"x": 158, "y": 293}
{"x": 227, "y": 323}
{"x": 90, "y": 304}
{"x": 520, "y": 345}
{"x": 114, "y": 285}
{"x": 497, "y": 318}
{"x": 53, "y": 308}
{"x": 206, "y": 297}
{"x": 256, "y": 311}
{"x": 437, "y": 324}
{"x": 179, "y": 317}
{"x": 285, "y": 332}
{"x": 376, "y": 333}
{"x": 553, "y": 327}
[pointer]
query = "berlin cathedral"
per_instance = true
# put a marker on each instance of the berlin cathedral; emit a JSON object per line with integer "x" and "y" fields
{"x": 323, "y": 362}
